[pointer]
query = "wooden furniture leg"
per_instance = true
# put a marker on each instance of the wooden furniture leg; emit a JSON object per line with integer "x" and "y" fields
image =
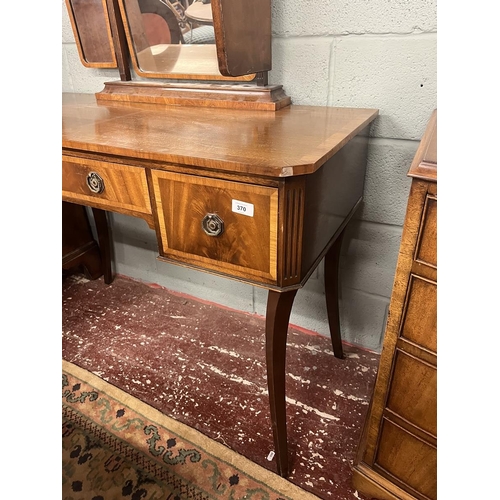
{"x": 101, "y": 224}
{"x": 332, "y": 258}
{"x": 279, "y": 307}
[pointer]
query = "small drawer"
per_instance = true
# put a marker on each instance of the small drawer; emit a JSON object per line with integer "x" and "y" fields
{"x": 110, "y": 186}
{"x": 426, "y": 249}
{"x": 229, "y": 227}
{"x": 413, "y": 392}
{"x": 407, "y": 458}
{"x": 419, "y": 321}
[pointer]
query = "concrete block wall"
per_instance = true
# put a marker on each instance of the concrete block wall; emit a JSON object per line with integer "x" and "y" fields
{"x": 377, "y": 54}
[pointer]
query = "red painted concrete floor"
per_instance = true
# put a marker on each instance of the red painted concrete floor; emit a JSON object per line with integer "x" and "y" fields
{"x": 204, "y": 365}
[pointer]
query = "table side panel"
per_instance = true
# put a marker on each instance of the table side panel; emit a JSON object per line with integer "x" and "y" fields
{"x": 331, "y": 193}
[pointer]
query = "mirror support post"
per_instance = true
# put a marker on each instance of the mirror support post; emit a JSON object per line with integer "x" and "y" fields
{"x": 119, "y": 40}
{"x": 261, "y": 79}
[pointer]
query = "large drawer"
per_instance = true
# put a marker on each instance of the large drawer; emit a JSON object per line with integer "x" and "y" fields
{"x": 409, "y": 460}
{"x": 413, "y": 392}
{"x": 229, "y": 227}
{"x": 419, "y": 321}
{"x": 110, "y": 186}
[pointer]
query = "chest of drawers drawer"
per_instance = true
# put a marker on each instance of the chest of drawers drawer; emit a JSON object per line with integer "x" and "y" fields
{"x": 416, "y": 327}
{"x": 408, "y": 461}
{"x": 228, "y": 227}
{"x": 412, "y": 393}
{"x": 110, "y": 186}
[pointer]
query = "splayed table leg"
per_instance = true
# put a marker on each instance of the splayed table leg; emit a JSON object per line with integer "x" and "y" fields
{"x": 279, "y": 307}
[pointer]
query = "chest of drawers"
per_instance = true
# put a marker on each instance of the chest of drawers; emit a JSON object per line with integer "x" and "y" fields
{"x": 397, "y": 456}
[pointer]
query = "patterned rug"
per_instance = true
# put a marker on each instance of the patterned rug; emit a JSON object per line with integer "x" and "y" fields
{"x": 117, "y": 447}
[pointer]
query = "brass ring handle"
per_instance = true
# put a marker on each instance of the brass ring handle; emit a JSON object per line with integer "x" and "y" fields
{"x": 212, "y": 224}
{"x": 95, "y": 182}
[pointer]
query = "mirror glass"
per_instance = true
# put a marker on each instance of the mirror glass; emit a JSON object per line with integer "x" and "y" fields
{"x": 172, "y": 39}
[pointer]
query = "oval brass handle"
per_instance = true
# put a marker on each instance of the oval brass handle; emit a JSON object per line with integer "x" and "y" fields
{"x": 95, "y": 182}
{"x": 212, "y": 224}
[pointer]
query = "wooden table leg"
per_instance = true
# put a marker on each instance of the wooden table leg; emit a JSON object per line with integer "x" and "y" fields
{"x": 332, "y": 258}
{"x": 101, "y": 224}
{"x": 279, "y": 307}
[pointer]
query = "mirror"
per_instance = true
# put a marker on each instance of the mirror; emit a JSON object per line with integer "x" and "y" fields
{"x": 91, "y": 29}
{"x": 173, "y": 39}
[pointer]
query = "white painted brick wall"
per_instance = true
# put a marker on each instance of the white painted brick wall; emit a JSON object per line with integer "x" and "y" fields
{"x": 396, "y": 74}
{"x": 379, "y": 54}
{"x": 340, "y": 17}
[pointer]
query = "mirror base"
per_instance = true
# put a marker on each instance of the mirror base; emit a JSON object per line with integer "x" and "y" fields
{"x": 244, "y": 96}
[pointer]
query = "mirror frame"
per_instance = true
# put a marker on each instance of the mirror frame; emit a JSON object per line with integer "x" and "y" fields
{"x": 243, "y": 36}
{"x": 80, "y": 34}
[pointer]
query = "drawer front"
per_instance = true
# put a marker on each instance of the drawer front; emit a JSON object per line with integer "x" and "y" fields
{"x": 419, "y": 322}
{"x": 426, "y": 249}
{"x": 229, "y": 227}
{"x": 413, "y": 392}
{"x": 408, "y": 459}
{"x": 110, "y": 186}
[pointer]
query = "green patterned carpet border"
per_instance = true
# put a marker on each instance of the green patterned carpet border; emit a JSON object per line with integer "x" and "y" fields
{"x": 117, "y": 447}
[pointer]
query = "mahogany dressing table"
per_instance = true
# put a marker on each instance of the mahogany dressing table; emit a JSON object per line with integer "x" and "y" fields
{"x": 233, "y": 179}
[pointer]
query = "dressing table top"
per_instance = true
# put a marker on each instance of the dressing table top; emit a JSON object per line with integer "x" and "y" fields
{"x": 292, "y": 141}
